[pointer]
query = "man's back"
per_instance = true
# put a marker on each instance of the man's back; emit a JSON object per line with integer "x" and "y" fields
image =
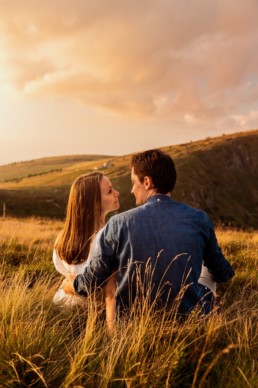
{"x": 159, "y": 247}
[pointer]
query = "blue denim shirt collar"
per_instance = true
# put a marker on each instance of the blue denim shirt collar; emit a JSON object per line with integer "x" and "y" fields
{"x": 159, "y": 197}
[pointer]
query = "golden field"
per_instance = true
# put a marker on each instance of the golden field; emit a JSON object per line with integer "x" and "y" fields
{"x": 42, "y": 345}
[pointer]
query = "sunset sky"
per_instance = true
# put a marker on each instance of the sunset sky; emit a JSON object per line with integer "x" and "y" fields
{"x": 117, "y": 76}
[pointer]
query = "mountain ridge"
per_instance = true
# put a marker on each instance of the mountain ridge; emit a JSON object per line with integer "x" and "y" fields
{"x": 219, "y": 175}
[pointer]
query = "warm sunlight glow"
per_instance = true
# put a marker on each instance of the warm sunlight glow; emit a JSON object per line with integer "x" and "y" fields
{"x": 147, "y": 73}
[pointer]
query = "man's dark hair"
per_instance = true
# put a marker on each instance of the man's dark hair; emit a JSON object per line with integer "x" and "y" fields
{"x": 157, "y": 165}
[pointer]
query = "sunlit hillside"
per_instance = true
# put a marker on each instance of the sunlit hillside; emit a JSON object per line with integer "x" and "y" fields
{"x": 34, "y": 172}
{"x": 218, "y": 175}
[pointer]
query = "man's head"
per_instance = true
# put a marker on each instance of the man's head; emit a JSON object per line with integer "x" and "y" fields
{"x": 153, "y": 172}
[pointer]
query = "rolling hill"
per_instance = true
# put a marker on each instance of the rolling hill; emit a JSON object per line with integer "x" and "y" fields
{"x": 219, "y": 175}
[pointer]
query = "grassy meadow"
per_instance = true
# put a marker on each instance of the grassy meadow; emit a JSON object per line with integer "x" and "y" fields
{"x": 42, "y": 345}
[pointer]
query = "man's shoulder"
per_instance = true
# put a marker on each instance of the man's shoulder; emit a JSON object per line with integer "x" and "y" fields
{"x": 117, "y": 221}
{"x": 128, "y": 214}
{"x": 189, "y": 211}
{"x": 185, "y": 207}
{"x": 180, "y": 209}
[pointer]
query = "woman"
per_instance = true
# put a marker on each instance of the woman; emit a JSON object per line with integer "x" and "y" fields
{"x": 91, "y": 198}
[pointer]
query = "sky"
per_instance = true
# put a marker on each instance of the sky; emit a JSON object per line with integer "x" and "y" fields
{"x": 119, "y": 76}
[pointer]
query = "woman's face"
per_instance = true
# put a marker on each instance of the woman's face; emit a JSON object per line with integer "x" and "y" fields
{"x": 109, "y": 196}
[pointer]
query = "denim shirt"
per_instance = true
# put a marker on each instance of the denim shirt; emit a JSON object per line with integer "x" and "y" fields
{"x": 157, "y": 250}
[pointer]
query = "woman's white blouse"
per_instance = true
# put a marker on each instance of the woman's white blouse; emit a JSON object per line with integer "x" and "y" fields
{"x": 60, "y": 297}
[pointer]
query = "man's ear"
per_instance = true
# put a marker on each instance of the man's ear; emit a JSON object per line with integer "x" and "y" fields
{"x": 148, "y": 183}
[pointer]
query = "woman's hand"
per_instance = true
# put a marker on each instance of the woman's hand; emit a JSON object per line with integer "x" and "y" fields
{"x": 68, "y": 284}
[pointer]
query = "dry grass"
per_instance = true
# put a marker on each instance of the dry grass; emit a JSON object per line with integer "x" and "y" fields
{"x": 44, "y": 346}
{"x": 29, "y": 231}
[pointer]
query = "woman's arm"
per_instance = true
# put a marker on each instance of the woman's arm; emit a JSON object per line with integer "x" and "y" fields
{"x": 110, "y": 301}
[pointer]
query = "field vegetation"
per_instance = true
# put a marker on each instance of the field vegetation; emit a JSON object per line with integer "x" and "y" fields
{"x": 42, "y": 345}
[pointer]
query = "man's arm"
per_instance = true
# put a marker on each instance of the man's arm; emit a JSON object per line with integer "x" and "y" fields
{"x": 214, "y": 259}
{"x": 101, "y": 264}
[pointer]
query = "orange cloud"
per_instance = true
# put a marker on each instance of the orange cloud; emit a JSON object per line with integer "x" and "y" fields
{"x": 180, "y": 60}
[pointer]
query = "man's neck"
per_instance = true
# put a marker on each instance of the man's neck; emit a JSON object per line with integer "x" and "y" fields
{"x": 153, "y": 193}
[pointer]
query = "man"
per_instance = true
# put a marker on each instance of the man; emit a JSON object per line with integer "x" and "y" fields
{"x": 157, "y": 248}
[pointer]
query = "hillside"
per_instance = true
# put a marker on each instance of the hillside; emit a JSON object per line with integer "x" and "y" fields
{"x": 15, "y": 172}
{"x": 219, "y": 175}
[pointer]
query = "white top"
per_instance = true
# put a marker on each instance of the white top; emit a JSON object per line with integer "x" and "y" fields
{"x": 60, "y": 297}
{"x": 64, "y": 268}
{"x": 206, "y": 279}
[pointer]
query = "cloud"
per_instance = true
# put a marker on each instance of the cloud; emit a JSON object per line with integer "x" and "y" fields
{"x": 178, "y": 60}
{"x": 245, "y": 121}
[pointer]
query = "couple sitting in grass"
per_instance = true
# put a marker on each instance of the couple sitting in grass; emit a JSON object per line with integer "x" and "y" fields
{"x": 162, "y": 250}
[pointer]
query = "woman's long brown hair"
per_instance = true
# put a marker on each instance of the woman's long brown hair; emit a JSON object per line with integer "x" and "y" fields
{"x": 82, "y": 219}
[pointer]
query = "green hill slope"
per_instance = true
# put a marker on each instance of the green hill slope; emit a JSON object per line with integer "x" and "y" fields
{"x": 222, "y": 178}
{"x": 15, "y": 172}
{"x": 219, "y": 175}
